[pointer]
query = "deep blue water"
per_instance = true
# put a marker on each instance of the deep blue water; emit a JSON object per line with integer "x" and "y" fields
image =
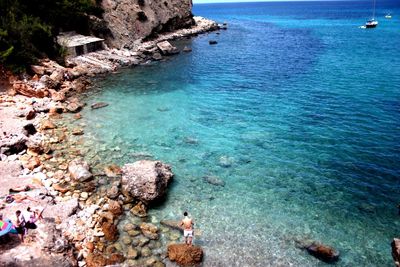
{"x": 296, "y": 109}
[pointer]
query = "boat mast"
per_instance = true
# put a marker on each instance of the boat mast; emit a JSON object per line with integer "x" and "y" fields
{"x": 373, "y": 13}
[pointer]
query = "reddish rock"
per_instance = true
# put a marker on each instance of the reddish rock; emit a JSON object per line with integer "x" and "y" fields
{"x": 114, "y": 207}
{"x": 115, "y": 259}
{"x": 60, "y": 188}
{"x": 323, "y": 252}
{"x": 30, "y": 115}
{"x": 139, "y": 210}
{"x": 113, "y": 171}
{"x": 95, "y": 260}
{"x": 185, "y": 255}
{"x": 47, "y": 125}
{"x": 26, "y": 90}
{"x": 110, "y": 231}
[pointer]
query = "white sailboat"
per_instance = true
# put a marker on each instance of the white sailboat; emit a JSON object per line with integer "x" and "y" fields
{"x": 372, "y": 23}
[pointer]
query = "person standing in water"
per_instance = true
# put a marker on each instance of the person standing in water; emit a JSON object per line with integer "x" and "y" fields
{"x": 187, "y": 224}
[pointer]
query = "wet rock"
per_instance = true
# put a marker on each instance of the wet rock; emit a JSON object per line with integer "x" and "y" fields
{"x": 114, "y": 207}
{"x": 116, "y": 258}
{"x": 145, "y": 252}
{"x": 79, "y": 170}
{"x": 149, "y": 230}
{"x": 77, "y": 131}
{"x": 396, "y": 251}
{"x": 187, "y": 49}
{"x": 167, "y": 48}
{"x": 323, "y": 252}
{"x": 133, "y": 233}
{"x": 140, "y": 210}
{"x": 185, "y": 255}
{"x": 172, "y": 224}
{"x": 132, "y": 253}
{"x": 110, "y": 231}
{"x": 126, "y": 240}
{"x": 212, "y": 42}
{"x": 225, "y": 161}
{"x": 98, "y": 105}
{"x": 113, "y": 171}
{"x": 142, "y": 241}
{"x": 214, "y": 180}
{"x": 74, "y": 107}
{"x": 128, "y": 227}
{"x": 113, "y": 192}
{"x": 146, "y": 180}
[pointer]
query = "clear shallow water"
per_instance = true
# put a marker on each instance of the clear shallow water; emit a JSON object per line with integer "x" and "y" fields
{"x": 296, "y": 109}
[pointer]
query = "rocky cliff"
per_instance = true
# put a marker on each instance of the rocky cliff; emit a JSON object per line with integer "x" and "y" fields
{"x": 131, "y": 20}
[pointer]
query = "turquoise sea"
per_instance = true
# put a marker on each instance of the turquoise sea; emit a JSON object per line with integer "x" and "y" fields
{"x": 296, "y": 110}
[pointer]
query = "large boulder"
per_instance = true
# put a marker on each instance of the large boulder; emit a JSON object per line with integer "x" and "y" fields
{"x": 185, "y": 255}
{"x": 323, "y": 252}
{"x": 146, "y": 180}
{"x": 167, "y": 48}
{"x": 79, "y": 170}
{"x": 396, "y": 251}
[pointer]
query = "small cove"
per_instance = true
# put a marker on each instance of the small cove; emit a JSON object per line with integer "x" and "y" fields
{"x": 303, "y": 134}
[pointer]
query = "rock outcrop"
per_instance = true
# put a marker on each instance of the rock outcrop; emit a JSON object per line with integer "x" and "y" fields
{"x": 185, "y": 255}
{"x": 146, "y": 180}
{"x": 133, "y": 20}
{"x": 396, "y": 251}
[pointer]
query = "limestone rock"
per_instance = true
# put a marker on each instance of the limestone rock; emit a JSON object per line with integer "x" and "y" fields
{"x": 47, "y": 125}
{"x": 48, "y": 82}
{"x": 167, "y": 48}
{"x": 129, "y": 21}
{"x": 113, "y": 192}
{"x": 149, "y": 230}
{"x": 13, "y": 144}
{"x": 79, "y": 170}
{"x": 396, "y": 251}
{"x": 140, "y": 210}
{"x": 146, "y": 180}
{"x": 185, "y": 255}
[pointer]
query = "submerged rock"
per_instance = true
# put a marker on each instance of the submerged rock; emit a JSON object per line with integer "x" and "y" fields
{"x": 185, "y": 255}
{"x": 187, "y": 49}
{"x": 140, "y": 210}
{"x": 99, "y": 105}
{"x": 172, "y": 224}
{"x": 214, "y": 180}
{"x": 146, "y": 180}
{"x": 149, "y": 230}
{"x": 212, "y": 42}
{"x": 323, "y": 252}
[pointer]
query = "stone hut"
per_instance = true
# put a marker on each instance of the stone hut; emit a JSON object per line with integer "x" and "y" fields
{"x": 77, "y": 44}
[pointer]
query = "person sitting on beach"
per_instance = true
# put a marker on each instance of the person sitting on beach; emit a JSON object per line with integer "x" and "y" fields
{"x": 18, "y": 198}
{"x": 22, "y": 188}
{"x": 187, "y": 224}
{"x": 19, "y": 224}
{"x": 31, "y": 217}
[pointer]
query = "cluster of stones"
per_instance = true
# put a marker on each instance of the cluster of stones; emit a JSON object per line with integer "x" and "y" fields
{"x": 46, "y": 152}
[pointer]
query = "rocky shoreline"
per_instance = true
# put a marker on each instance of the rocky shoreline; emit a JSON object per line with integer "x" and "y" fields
{"x": 82, "y": 207}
